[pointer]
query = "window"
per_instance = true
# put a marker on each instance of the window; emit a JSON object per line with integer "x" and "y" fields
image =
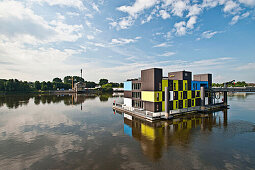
{"x": 185, "y": 88}
{"x": 198, "y": 94}
{"x": 159, "y": 86}
{"x": 174, "y": 86}
{"x": 186, "y": 103}
{"x": 157, "y": 96}
{"x": 192, "y": 102}
{"x": 176, "y": 104}
{"x": 196, "y": 86}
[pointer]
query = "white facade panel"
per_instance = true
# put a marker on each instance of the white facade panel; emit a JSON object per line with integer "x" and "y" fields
{"x": 171, "y": 97}
{"x": 206, "y": 100}
{"x": 128, "y": 102}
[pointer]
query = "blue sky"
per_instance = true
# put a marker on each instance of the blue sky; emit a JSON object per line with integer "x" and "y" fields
{"x": 43, "y": 39}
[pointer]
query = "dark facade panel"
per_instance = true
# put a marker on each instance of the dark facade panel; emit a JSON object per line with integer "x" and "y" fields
{"x": 189, "y": 85}
{"x": 180, "y": 85}
{"x": 193, "y": 94}
{"x": 175, "y": 95}
{"x": 171, "y": 105}
{"x": 152, "y": 106}
{"x": 189, "y": 102}
{"x": 180, "y": 104}
{"x": 151, "y": 79}
{"x": 198, "y": 102}
{"x": 128, "y": 94}
{"x": 185, "y": 94}
{"x": 170, "y": 85}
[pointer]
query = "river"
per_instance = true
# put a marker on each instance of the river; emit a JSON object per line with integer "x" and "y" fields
{"x": 83, "y": 132}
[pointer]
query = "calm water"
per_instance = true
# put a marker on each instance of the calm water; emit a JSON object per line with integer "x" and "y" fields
{"x": 83, "y": 132}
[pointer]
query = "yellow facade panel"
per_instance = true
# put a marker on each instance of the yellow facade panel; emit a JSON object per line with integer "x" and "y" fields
{"x": 163, "y": 106}
{"x": 189, "y": 94}
{"x": 193, "y": 102}
{"x": 164, "y": 84}
{"x": 180, "y": 95}
{"x": 175, "y": 104}
{"x": 152, "y": 96}
{"x": 185, "y": 103}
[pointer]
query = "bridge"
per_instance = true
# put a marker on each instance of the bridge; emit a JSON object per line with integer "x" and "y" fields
{"x": 233, "y": 89}
{"x": 225, "y": 91}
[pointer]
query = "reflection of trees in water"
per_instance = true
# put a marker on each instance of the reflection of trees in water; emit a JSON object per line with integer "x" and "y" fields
{"x": 105, "y": 96}
{"x": 157, "y": 136}
{"x": 240, "y": 96}
{"x": 14, "y": 101}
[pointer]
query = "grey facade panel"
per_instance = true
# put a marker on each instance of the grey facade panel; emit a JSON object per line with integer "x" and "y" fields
{"x": 203, "y": 77}
{"x": 128, "y": 94}
{"x": 151, "y": 79}
{"x": 152, "y": 106}
{"x": 180, "y": 75}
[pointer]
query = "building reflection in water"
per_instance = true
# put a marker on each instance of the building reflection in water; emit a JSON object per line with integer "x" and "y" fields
{"x": 158, "y": 136}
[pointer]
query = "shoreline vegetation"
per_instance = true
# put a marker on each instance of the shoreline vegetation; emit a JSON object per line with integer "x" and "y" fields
{"x": 56, "y": 85}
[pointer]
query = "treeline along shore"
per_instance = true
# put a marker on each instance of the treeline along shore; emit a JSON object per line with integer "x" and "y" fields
{"x": 57, "y": 84}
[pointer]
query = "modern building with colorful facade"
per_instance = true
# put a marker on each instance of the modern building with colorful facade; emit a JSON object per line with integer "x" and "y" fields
{"x": 155, "y": 93}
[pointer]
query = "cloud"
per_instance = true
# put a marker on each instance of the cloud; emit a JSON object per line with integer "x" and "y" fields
{"x": 231, "y": 7}
{"x": 126, "y": 22}
{"x": 168, "y": 35}
{"x": 121, "y": 41}
{"x": 95, "y": 7}
{"x": 68, "y": 3}
{"x": 72, "y": 14}
{"x": 137, "y": 7}
{"x": 167, "y": 54}
{"x": 209, "y": 34}
{"x": 178, "y": 8}
{"x": 236, "y": 18}
{"x": 249, "y": 66}
{"x": 163, "y": 45}
{"x": 164, "y": 14}
{"x": 194, "y": 10}
{"x": 180, "y": 28}
{"x": 248, "y": 2}
{"x": 191, "y": 22}
{"x": 90, "y": 37}
{"x": 21, "y": 24}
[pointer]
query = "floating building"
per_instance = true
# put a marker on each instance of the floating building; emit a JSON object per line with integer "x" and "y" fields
{"x": 155, "y": 93}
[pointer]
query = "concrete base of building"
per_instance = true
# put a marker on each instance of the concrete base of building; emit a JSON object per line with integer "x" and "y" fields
{"x": 151, "y": 116}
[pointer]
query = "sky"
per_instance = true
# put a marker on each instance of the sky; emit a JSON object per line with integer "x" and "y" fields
{"x": 116, "y": 39}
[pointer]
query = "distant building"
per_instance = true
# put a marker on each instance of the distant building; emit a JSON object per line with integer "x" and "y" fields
{"x": 148, "y": 92}
{"x": 80, "y": 86}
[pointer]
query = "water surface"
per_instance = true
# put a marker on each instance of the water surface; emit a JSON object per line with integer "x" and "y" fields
{"x": 83, "y": 132}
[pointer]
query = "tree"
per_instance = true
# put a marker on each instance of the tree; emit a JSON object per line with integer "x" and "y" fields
{"x": 90, "y": 84}
{"x": 107, "y": 87}
{"x": 76, "y": 79}
{"x": 43, "y": 86}
{"x": 37, "y": 85}
{"x": 103, "y": 81}
{"x": 57, "y": 80}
